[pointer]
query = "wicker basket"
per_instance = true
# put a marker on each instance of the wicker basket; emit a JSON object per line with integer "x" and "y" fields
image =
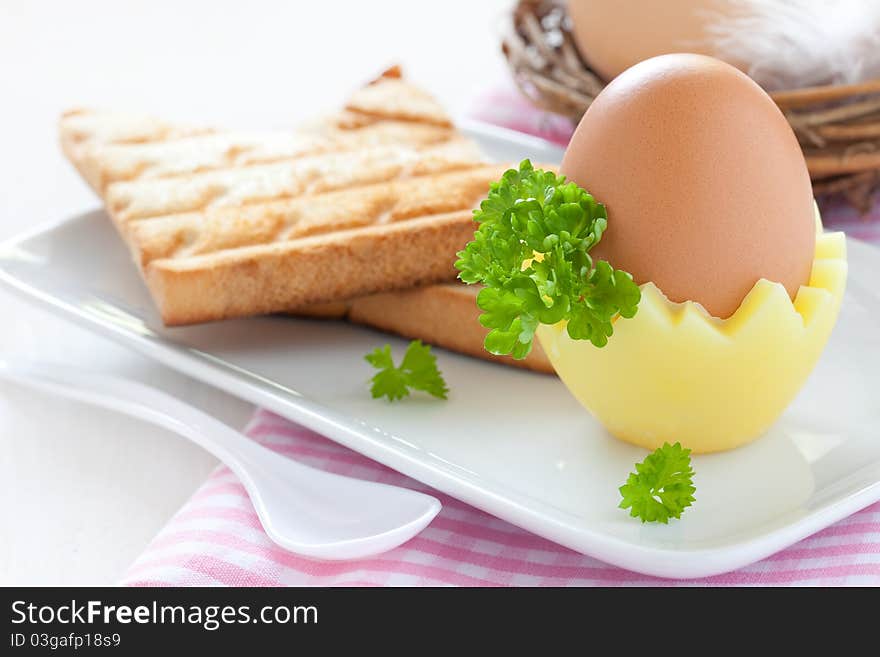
{"x": 838, "y": 126}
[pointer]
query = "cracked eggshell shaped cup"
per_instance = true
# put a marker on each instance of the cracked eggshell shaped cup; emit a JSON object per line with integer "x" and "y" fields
{"x": 675, "y": 373}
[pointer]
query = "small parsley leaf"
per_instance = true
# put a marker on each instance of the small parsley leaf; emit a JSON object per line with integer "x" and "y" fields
{"x": 662, "y": 485}
{"x": 531, "y": 254}
{"x": 418, "y": 371}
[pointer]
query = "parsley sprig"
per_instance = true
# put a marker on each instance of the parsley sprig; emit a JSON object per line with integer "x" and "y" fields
{"x": 418, "y": 371}
{"x": 531, "y": 252}
{"x": 661, "y": 487}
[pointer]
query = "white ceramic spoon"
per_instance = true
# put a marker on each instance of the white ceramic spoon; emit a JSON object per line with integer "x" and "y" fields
{"x": 307, "y": 511}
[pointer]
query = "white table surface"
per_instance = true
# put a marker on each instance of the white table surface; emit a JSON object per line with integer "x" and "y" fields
{"x": 83, "y": 491}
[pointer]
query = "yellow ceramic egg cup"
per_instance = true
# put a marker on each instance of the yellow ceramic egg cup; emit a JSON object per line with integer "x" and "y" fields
{"x": 675, "y": 373}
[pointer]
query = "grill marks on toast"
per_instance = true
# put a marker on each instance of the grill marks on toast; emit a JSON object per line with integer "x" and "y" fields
{"x": 221, "y": 228}
{"x": 237, "y": 186}
{"x": 225, "y": 224}
{"x": 114, "y": 162}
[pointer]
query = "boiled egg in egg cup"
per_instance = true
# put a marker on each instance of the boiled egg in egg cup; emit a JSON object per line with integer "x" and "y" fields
{"x": 710, "y": 209}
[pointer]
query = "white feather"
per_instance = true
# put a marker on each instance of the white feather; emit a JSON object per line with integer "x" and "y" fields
{"x": 800, "y": 43}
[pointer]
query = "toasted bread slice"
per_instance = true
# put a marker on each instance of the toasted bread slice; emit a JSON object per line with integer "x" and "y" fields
{"x": 227, "y": 224}
{"x": 445, "y": 315}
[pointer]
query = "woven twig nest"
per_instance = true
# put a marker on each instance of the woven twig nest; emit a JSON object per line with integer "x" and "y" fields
{"x": 838, "y": 126}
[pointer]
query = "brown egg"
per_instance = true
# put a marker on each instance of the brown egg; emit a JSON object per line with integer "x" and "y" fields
{"x": 705, "y": 185}
{"x": 613, "y": 35}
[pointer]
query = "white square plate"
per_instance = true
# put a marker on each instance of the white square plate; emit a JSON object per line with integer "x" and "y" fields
{"x": 510, "y": 442}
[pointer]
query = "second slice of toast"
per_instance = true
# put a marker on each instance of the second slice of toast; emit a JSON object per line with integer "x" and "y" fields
{"x": 445, "y": 315}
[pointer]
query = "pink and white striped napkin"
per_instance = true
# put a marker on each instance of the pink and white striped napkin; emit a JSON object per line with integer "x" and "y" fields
{"x": 216, "y": 538}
